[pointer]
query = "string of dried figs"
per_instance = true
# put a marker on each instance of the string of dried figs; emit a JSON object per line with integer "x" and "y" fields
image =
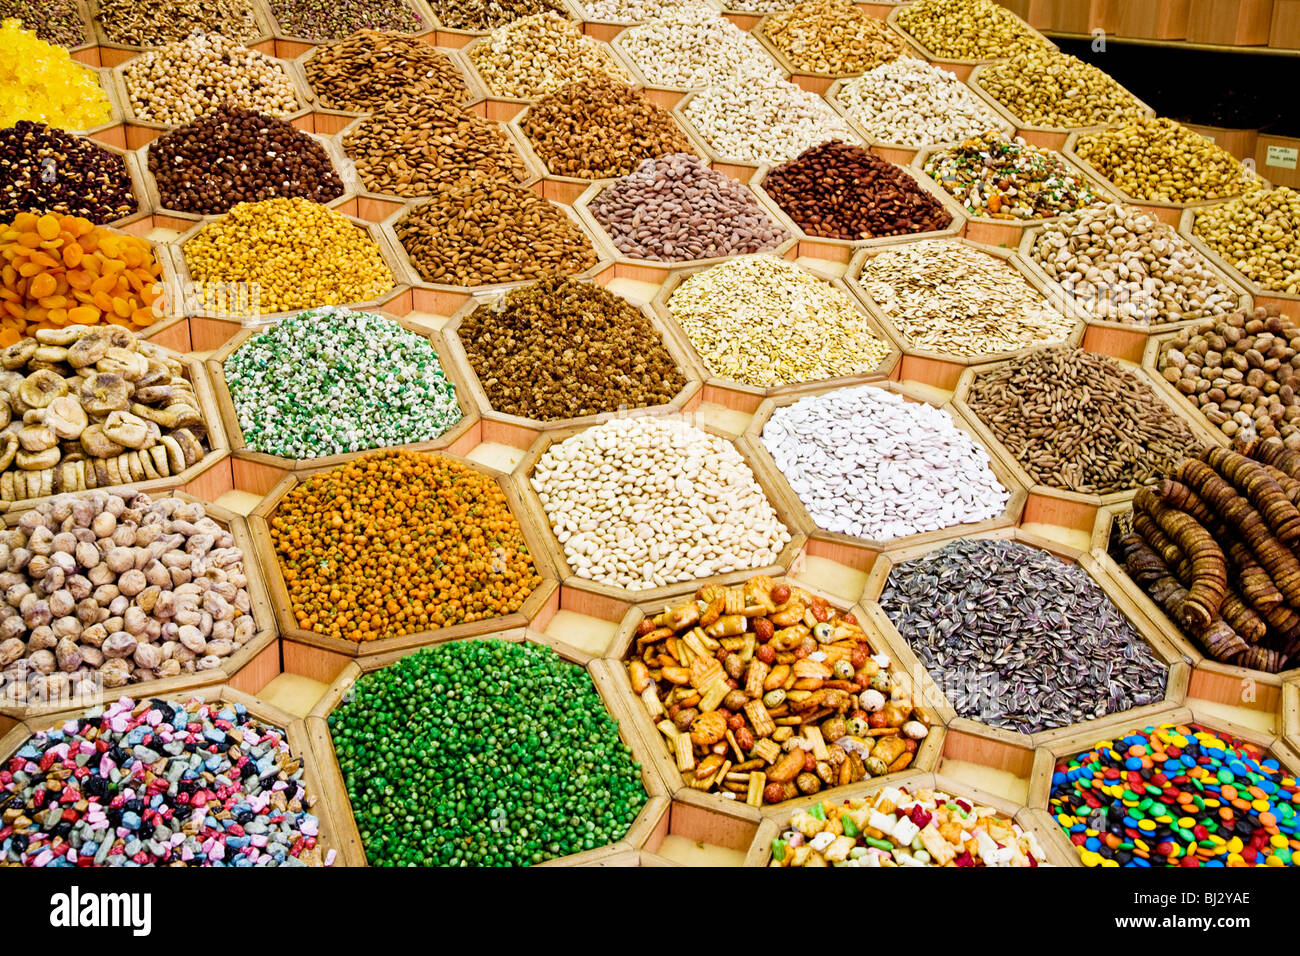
{"x": 116, "y": 585}
{"x": 1215, "y": 545}
{"x": 764, "y": 691}
{"x": 90, "y": 407}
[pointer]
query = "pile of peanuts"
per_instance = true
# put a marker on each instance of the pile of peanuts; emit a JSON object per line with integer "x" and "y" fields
{"x": 1042, "y": 87}
{"x": 692, "y": 48}
{"x": 533, "y": 56}
{"x": 1164, "y": 161}
{"x": 1258, "y": 234}
{"x": 832, "y": 37}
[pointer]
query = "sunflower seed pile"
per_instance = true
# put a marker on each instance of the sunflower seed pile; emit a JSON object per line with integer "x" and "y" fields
{"x": 1019, "y": 639}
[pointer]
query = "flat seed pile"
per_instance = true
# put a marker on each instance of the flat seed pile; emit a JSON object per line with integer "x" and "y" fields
{"x": 483, "y": 15}
{"x": 948, "y": 297}
{"x": 297, "y": 253}
{"x": 634, "y": 11}
{"x": 1080, "y": 421}
{"x": 1121, "y": 265}
{"x": 763, "y": 119}
{"x": 841, "y": 191}
{"x": 1259, "y": 235}
{"x": 967, "y": 29}
{"x": 331, "y": 381}
{"x": 372, "y": 68}
{"x": 160, "y": 783}
{"x": 640, "y": 503}
{"x": 1016, "y": 638}
{"x": 337, "y": 19}
{"x": 908, "y": 102}
{"x": 189, "y": 78}
{"x": 832, "y": 37}
{"x": 235, "y": 155}
{"x": 533, "y": 56}
{"x": 868, "y": 463}
{"x": 157, "y": 22}
{"x": 596, "y": 129}
{"x": 43, "y": 169}
{"x": 406, "y": 147}
{"x": 694, "y": 47}
{"x": 1164, "y": 161}
{"x": 675, "y": 209}
{"x": 1214, "y": 544}
{"x": 1241, "y": 371}
{"x": 55, "y": 21}
{"x": 480, "y": 231}
{"x": 1003, "y": 177}
{"x": 563, "y": 349}
{"x": 763, "y": 321}
{"x": 396, "y": 542}
{"x": 1044, "y": 88}
{"x": 513, "y": 760}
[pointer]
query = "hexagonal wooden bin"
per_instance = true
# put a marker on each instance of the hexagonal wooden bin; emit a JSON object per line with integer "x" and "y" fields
{"x": 295, "y": 732}
{"x": 114, "y": 54}
{"x": 942, "y": 369}
{"x": 838, "y": 253}
{"x": 477, "y": 396}
{"x": 962, "y": 68}
{"x": 352, "y": 850}
{"x": 1195, "y": 712}
{"x": 289, "y": 45}
{"x": 291, "y": 630}
{"x": 1060, "y": 506}
{"x": 1288, "y": 303}
{"x": 776, "y": 497}
{"x": 629, "y": 62}
{"x": 747, "y": 398}
{"x": 644, "y": 716}
{"x": 929, "y": 690}
{"x": 818, "y": 82}
{"x": 764, "y": 462}
{"x": 258, "y": 472}
{"x": 16, "y": 707}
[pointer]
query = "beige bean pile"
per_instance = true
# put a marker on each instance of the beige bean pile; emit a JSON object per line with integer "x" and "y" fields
{"x": 763, "y": 321}
{"x": 1044, "y": 88}
{"x": 967, "y": 29}
{"x": 533, "y": 56}
{"x": 644, "y": 502}
{"x": 757, "y": 119}
{"x": 636, "y": 11}
{"x": 832, "y": 37}
{"x": 178, "y": 83}
{"x": 1121, "y": 265}
{"x": 1242, "y": 372}
{"x": 948, "y": 297}
{"x": 908, "y": 102}
{"x": 755, "y": 6}
{"x": 1258, "y": 234}
{"x": 691, "y": 48}
{"x": 404, "y": 148}
{"x": 1164, "y": 161}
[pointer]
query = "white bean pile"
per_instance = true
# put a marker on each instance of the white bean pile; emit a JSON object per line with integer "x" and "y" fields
{"x": 691, "y": 48}
{"x": 763, "y": 119}
{"x": 868, "y": 463}
{"x": 643, "y": 502}
{"x": 635, "y": 11}
{"x": 910, "y": 103}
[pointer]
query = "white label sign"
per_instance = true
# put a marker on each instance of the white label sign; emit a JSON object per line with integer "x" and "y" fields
{"x": 1282, "y": 157}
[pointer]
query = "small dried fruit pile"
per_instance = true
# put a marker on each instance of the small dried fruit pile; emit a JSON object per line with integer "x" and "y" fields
{"x": 765, "y": 691}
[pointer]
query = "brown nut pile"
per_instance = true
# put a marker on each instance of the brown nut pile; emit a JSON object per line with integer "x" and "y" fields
{"x": 93, "y": 406}
{"x": 832, "y": 37}
{"x": 480, "y": 231}
{"x": 157, "y": 22}
{"x": 841, "y": 191}
{"x": 1164, "y": 161}
{"x": 967, "y": 29}
{"x": 118, "y": 585}
{"x": 372, "y": 68}
{"x": 1080, "y": 421}
{"x": 1041, "y": 87}
{"x": 1241, "y": 372}
{"x": 533, "y": 56}
{"x": 764, "y": 692}
{"x": 482, "y": 15}
{"x": 1259, "y": 235}
{"x": 404, "y": 148}
{"x": 598, "y": 129}
{"x": 563, "y": 349}
{"x": 1215, "y": 545}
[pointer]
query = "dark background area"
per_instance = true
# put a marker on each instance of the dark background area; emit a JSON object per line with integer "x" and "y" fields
{"x": 1205, "y": 87}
